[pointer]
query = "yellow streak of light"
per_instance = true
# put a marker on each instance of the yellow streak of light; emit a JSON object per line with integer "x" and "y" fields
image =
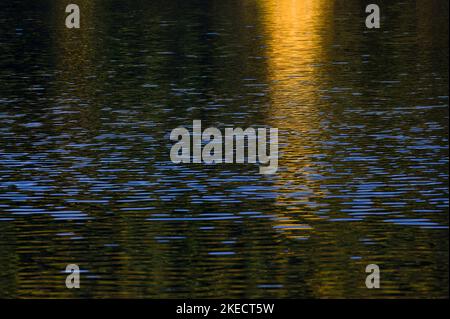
{"x": 297, "y": 34}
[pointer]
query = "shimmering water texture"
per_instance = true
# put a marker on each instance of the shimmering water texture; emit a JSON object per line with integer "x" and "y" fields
{"x": 85, "y": 170}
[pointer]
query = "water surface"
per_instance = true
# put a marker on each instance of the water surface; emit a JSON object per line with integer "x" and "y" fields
{"x": 86, "y": 177}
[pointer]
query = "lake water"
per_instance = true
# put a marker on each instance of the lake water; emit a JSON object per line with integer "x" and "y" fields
{"x": 86, "y": 176}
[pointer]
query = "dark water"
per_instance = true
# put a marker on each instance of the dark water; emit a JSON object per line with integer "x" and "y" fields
{"x": 86, "y": 178}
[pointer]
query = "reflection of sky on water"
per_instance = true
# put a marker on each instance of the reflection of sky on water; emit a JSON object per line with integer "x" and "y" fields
{"x": 86, "y": 176}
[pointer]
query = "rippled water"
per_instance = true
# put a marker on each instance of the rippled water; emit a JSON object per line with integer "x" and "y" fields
{"x": 86, "y": 178}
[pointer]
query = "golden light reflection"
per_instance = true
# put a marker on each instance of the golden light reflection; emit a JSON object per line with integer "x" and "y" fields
{"x": 75, "y": 51}
{"x": 297, "y": 34}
